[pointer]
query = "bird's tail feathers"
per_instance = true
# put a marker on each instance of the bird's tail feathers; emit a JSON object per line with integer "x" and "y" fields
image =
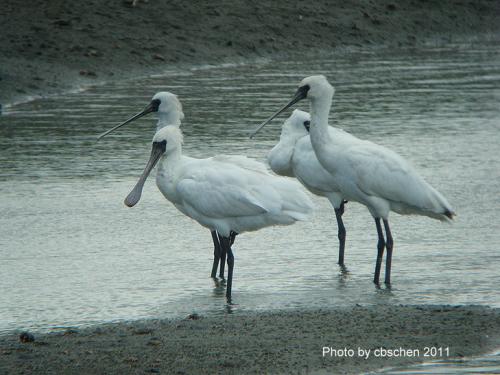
{"x": 297, "y": 204}
{"x": 449, "y": 214}
{"x": 437, "y": 206}
{"x": 298, "y": 216}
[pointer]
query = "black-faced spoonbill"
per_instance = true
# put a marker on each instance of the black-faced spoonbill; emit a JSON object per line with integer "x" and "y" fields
{"x": 365, "y": 172}
{"x": 168, "y": 108}
{"x": 221, "y": 195}
{"x": 294, "y": 156}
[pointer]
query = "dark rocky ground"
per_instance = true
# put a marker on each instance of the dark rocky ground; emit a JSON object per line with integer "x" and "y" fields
{"x": 52, "y": 45}
{"x": 264, "y": 343}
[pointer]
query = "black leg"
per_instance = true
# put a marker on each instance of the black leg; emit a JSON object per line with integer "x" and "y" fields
{"x": 341, "y": 232}
{"x": 232, "y": 237}
{"x": 222, "y": 259}
{"x": 226, "y": 245}
{"x": 388, "y": 258}
{"x": 217, "y": 254}
{"x": 380, "y": 251}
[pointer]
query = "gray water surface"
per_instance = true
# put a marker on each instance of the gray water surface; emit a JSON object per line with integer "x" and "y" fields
{"x": 72, "y": 254}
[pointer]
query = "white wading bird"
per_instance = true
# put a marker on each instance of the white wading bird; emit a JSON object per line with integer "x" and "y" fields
{"x": 366, "y": 172}
{"x": 221, "y": 195}
{"x": 294, "y": 156}
{"x": 169, "y": 111}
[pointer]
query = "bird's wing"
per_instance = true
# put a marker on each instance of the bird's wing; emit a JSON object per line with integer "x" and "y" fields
{"x": 280, "y": 158}
{"x": 212, "y": 195}
{"x": 382, "y": 172}
{"x": 241, "y": 161}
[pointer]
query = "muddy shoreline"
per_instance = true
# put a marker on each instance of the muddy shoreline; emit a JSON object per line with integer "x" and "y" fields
{"x": 273, "y": 342}
{"x": 50, "y": 47}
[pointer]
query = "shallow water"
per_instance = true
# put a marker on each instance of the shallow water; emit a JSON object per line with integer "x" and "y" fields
{"x": 72, "y": 254}
{"x": 485, "y": 364}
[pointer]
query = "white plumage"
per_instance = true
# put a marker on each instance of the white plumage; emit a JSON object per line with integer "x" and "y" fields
{"x": 221, "y": 195}
{"x": 168, "y": 109}
{"x": 366, "y": 172}
{"x": 294, "y": 156}
{"x": 224, "y": 196}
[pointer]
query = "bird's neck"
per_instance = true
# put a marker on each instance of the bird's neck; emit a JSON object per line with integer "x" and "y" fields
{"x": 290, "y": 136}
{"x": 168, "y": 165}
{"x": 166, "y": 119}
{"x": 173, "y": 156}
{"x": 280, "y": 157}
{"x": 320, "y": 107}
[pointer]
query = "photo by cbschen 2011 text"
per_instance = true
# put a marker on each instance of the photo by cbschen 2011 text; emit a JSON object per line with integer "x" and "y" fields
{"x": 381, "y": 352}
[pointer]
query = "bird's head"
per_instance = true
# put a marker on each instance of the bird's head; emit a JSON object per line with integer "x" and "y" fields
{"x": 169, "y": 103}
{"x": 171, "y": 136}
{"x": 165, "y": 104}
{"x": 297, "y": 124}
{"x": 313, "y": 88}
{"x": 165, "y": 141}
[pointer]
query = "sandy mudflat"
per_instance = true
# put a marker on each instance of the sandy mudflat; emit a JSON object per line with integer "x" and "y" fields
{"x": 274, "y": 343}
{"x": 50, "y": 46}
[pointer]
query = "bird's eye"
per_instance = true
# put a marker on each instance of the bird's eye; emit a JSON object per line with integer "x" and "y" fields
{"x": 307, "y": 124}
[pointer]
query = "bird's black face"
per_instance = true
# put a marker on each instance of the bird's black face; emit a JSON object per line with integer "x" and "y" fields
{"x": 300, "y": 94}
{"x": 151, "y": 107}
{"x": 307, "y": 125}
{"x": 155, "y": 104}
{"x": 160, "y": 145}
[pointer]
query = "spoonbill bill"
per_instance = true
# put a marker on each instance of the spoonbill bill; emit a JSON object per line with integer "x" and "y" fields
{"x": 220, "y": 194}
{"x": 366, "y": 172}
{"x": 168, "y": 109}
{"x": 294, "y": 156}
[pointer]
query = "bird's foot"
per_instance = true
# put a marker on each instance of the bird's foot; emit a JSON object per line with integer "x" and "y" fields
{"x": 343, "y": 269}
{"x": 220, "y": 283}
{"x": 229, "y": 307}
